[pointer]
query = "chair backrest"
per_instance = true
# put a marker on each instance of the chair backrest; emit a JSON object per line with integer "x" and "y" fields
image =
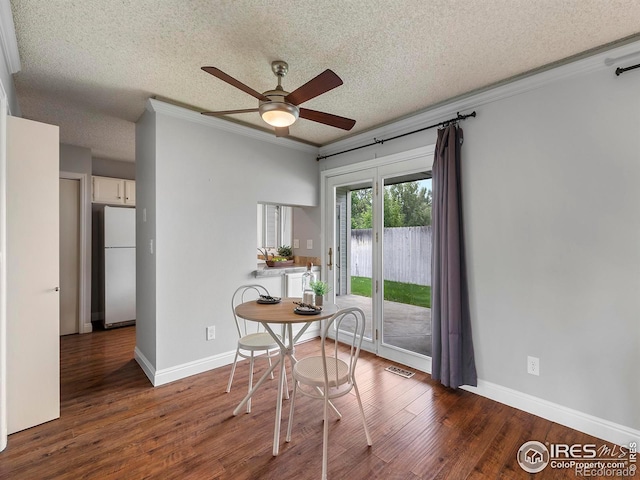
{"x": 243, "y": 294}
{"x": 348, "y": 326}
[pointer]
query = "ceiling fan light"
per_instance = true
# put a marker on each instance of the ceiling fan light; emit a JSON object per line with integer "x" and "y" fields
{"x": 279, "y": 114}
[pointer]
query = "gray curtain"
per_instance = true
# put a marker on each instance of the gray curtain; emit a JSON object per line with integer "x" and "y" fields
{"x": 452, "y": 348}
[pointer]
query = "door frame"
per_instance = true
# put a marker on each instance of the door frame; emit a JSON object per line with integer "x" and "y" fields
{"x": 422, "y": 153}
{"x": 4, "y": 110}
{"x": 84, "y": 275}
{"x": 361, "y": 176}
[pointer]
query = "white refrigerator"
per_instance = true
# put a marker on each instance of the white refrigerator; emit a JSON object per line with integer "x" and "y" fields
{"x": 119, "y": 266}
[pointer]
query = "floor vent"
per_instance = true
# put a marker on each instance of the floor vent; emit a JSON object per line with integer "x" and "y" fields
{"x": 400, "y": 371}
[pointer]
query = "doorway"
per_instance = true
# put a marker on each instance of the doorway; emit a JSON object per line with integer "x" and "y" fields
{"x": 69, "y": 255}
{"x": 75, "y": 243}
{"x": 378, "y": 223}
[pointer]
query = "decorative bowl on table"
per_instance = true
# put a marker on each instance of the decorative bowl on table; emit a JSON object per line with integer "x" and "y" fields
{"x": 306, "y": 309}
{"x": 268, "y": 300}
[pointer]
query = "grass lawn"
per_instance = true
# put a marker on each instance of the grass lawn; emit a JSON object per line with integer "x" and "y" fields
{"x": 409, "y": 293}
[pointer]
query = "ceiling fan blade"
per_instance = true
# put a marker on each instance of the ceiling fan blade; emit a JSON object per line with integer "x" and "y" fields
{"x": 327, "y": 119}
{"x": 229, "y": 112}
{"x": 282, "y": 131}
{"x": 216, "y": 72}
{"x": 324, "y": 82}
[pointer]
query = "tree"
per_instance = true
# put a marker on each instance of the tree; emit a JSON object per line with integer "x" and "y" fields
{"x": 361, "y": 215}
{"x": 405, "y": 205}
{"x": 414, "y": 202}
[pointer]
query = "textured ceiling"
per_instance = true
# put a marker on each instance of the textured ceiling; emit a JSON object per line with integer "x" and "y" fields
{"x": 89, "y": 65}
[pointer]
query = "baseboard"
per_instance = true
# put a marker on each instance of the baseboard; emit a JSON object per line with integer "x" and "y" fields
{"x": 145, "y": 364}
{"x": 598, "y": 427}
{"x": 168, "y": 375}
{"x": 310, "y": 334}
{"x": 171, "y": 374}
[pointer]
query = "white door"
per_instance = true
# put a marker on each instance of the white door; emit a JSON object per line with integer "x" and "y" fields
{"x": 69, "y": 255}
{"x": 351, "y": 283}
{"x": 33, "y": 344}
{"x": 364, "y": 273}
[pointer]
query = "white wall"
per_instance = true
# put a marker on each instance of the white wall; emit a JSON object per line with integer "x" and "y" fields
{"x": 552, "y": 211}
{"x": 207, "y": 184}
{"x": 146, "y": 233}
{"x": 306, "y": 226}
{"x": 114, "y": 168}
{"x": 9, "y": 64}
{"x": 553, "y": 228}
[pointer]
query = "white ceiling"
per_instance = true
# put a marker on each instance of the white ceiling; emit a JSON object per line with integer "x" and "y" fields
{"x": 89, "y": 65}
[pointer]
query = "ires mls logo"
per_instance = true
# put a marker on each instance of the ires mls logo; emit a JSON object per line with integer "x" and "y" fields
{"x": 586, "y": 460}
{"x": 533, "y": 456}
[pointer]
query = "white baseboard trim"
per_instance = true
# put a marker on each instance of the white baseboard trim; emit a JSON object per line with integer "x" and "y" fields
{"x": 171, "y": 374}
{"x": 598, "y": 427}
{"x": 145, "y": 364}
{"x": 168, "y": 375}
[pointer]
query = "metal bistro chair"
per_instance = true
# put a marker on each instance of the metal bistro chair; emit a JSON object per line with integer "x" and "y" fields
{"x": 252, "y": 338}
{"x": 332, "y": 374}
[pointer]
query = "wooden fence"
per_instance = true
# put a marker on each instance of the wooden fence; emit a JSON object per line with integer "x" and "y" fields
{"x": 406, "y": 257}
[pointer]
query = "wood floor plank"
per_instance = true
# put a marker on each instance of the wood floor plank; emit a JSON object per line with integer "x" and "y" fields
{"x": 115, "y": 425}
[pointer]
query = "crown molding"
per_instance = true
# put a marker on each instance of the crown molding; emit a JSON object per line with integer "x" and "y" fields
{"x": 8, "y": 40}
{"x": 465, "y": 104}
{"x": 158, "y": 106}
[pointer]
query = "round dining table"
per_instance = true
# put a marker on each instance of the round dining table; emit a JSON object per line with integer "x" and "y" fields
{"x": 281, "y": 313}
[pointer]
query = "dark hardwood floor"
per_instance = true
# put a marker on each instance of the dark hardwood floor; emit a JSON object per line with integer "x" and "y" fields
{"x": 115, "y": 425}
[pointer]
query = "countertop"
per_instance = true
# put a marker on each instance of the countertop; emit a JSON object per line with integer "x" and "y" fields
{"x": 265, "y": 271}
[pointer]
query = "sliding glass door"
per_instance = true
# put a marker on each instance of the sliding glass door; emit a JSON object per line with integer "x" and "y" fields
{"x": 349, "y": 224}
{"x": 378, "y": 227}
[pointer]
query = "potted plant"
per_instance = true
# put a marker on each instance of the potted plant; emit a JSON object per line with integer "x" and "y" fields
{"x": 320, "y": 289}
{"x": 285, "y": 251}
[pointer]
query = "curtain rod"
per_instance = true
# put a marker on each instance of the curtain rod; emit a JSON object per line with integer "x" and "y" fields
{"x": 621, "y": 70}
{"x": 376, "y": 141}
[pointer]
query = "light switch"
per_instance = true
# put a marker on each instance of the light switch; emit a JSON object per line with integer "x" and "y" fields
{"x": 144, "y": 215}
{"x": 296, "y": 243}
{"x": 309, "y": 244}
{"x": 151, "y": 246}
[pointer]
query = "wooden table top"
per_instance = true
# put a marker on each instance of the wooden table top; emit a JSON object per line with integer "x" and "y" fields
{"x": 281, "y": 312}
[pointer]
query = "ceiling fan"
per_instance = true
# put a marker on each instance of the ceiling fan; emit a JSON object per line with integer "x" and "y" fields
{"x": 279, "y": 108}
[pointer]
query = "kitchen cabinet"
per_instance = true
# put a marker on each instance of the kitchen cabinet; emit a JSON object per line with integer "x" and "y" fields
{"x": 293, "y": 284}
{"x": 129, "y": 192}
{"x": 113, "y": 191}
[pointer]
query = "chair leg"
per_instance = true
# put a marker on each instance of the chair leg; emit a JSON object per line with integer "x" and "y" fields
{"x": 293, "y": 401}
{"x": 364, "y": 421}
{"x": 286, "y": 385}
{"x": 233, "y": 371}
{"x": 269, "y": 358}
{"x": 333, "y": 407}
{"x": 250, "y": 381}
{"x": 325, "y": 438}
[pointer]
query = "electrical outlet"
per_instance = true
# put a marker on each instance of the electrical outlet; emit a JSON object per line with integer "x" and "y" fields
{"x": 533, "y": 365}
{"x": 211, "y": 333}
{"x": 309, "y": 244}
{"x": 296, "y": 243}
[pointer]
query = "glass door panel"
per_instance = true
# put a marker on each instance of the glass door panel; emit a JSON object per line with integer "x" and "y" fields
{"x": 350, "y": 203}
{"x": 378, "y": 226}
{"x": 406, "y": 260}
